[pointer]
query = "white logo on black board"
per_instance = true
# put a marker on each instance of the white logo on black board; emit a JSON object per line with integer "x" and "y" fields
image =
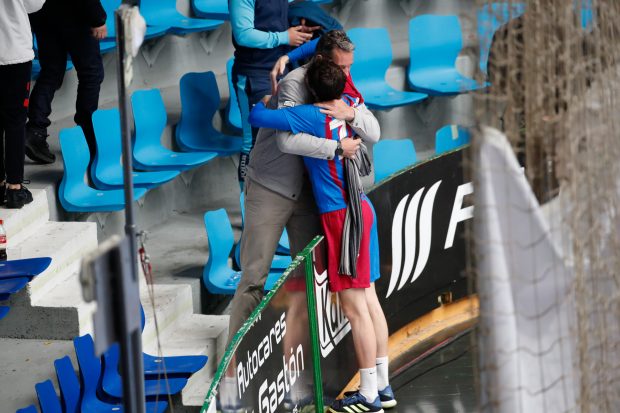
{"x": 412, "y": 232}
{"x": 333, "y": 325}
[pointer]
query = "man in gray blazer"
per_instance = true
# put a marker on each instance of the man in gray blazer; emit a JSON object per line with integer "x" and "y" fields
{"x": 277, "y": 190}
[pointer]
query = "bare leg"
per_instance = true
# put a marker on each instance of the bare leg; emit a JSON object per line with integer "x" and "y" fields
{"x": 378, "y": 321}
{"x": 356, "y": 310}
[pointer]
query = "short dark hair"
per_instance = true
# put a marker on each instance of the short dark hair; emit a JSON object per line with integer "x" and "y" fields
{"x": 325, "y": 79}
{"x": 334, "y": 39}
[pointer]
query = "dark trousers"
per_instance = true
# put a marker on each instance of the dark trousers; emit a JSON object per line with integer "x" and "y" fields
{"x": 14, "y": 89}
{"x": 54, "y": 43}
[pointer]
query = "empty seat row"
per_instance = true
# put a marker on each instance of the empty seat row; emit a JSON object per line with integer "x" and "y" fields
{"x": 393, "y": 155}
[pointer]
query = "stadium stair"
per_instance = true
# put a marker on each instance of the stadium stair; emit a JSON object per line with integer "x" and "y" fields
{"x": 51, "y": 306}
{"x": 200, "y": 100}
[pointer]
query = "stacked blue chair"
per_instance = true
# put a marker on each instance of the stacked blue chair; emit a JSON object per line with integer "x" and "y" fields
{"x": 15, "y": 274}
{"x": 373, "y": 57}
{"x": 48, "y": 399}
{"x": 110, "y": 6}
{"x": 164, "y": 13}
{"x": 434, "y": 45}
{"x": 156, "y": 386}
{"x": 451, "y": 137}
{"x": 281, "y": 260}
{"x": 218, "y": 277}
{"x": 200, "y": 100}
{"x": 107, "y": 170}
{"x": 490, "y": 18}
{"x": 148, "y": 152}
{"x": 29, "y": 409}
{"x": 233, "y": 114}
{"x": 392, "y": 155}
{"x": 90, "y": 373}
{"x": 74, "y": 194}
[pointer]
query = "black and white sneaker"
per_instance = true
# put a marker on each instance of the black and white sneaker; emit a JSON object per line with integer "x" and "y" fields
{"x": 356, "y": 403}
{"x": 17, "y": 198}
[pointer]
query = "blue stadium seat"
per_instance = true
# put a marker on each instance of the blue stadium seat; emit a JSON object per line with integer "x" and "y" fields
{"x": 90, "y": 372}
{"x": 4, "y": 310}
{"x": 148, "y": 152}
{"x": 281, "y": 260}
{"x": 113, "y": 386}
{"x": 218, "y": 277}
{"x": 211, "y": 9}
{"x": 233, "y": 114}
{"x": 200, "y": 101}
{"x": 111, "y": 5}
{"x": 68, "y": 384}
{"x": 73, "y": 192}
{"x": 29, "y": 409}
{"x": 450, "y": 137}
{"x": 392, "y": 155}
{"x": 434, "y": 44}
{"x": 154, "y": 367}
{"x": 373, "y": 56}
{"x": 490, "y": 18}
{"x": 164, "y": 13}
{"x": 48, "y": 399}
{"x": 10, "y": 286}
{"x": 28, "y": 267}
{"x": 106, "y": 46}
{"x": 107, "y": 170}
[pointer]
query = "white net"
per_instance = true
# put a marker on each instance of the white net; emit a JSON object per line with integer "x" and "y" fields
{"x": 549, "y": 277}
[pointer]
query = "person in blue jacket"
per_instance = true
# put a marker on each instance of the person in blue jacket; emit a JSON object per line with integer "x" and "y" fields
{"x": 261, "y": 34}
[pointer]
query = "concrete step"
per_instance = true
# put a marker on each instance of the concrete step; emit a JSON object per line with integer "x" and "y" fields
{"x": 50, "y": 307}
{"x": 20, "y": 224}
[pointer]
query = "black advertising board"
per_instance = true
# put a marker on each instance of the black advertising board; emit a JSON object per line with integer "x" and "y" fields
{"x": 421, "y": 214}
{"x": 268, "y": 368}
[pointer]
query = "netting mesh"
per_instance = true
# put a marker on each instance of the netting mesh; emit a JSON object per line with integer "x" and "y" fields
{"x": 555, "y": 94}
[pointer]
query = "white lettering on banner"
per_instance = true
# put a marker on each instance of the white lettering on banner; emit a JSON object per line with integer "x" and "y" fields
{"x": 409, "y": 258}
{"x": 246, "y": 370}
{"x": 333, "y": 325}
{"x": 271, "y": 393}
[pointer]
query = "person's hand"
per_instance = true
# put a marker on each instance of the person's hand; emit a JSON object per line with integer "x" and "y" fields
{"x": 266, "y": 99}
{"x": 308, "y": 29}
{"x": 297, "y": 36}
{"x": 350, "y": 147}
{"x": 100, "y": 32}
{"x": 278, "y": 70}
{"x": 337, "y": 109}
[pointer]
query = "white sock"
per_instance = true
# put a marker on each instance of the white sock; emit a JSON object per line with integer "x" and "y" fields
{"x": 383, "y": 379}
{"x": 368, "y": 384}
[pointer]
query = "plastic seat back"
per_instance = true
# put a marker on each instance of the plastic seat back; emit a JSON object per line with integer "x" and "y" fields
{"x": 490, "y": 18}
{"x": 200, "y": 100}
{"x": 392, "y": 155}
{"x": 217, "y": 273}
{"x": 451, "y": 137}
{"x": 150, "y": 118}
{"x": 48, "y": 399}
{"x": 232, "y": 110}
{"x": 75, "y": 157}
{"x": 434, "y": 41}
{"x": 212, "y": 9}
{"x": 373, "y": 55}
{"x": 28, "y": 267}
{"x": 89, "y": 363}
{"x": 107, "y": 125}
{"x": 12, "y": 285}
{"x": 109, "y": 6}
{"x": 69, "y": 385}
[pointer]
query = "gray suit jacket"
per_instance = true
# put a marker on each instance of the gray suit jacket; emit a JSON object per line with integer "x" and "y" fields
{"x": 274, "y": 160}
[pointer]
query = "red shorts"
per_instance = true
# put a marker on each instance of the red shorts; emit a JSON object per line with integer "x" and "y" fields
{"x": 333, "y": 222}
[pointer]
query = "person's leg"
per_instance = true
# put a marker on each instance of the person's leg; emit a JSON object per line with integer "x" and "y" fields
{"x": 53, "y": 60}
{"x": 16, "y": 79}
{"x": 85, "y": 54}
{"x": 266, "y": 213}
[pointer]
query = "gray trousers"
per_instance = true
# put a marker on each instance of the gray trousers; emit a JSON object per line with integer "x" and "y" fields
{"x": 266, "y": 215}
